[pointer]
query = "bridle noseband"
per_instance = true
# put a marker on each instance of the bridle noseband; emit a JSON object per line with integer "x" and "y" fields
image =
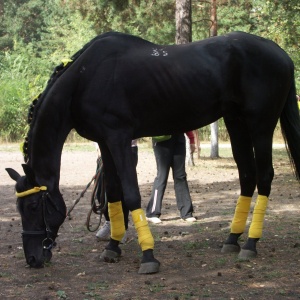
{"x": 48, "y": 243}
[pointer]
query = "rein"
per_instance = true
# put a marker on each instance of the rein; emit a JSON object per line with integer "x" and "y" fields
{"x": 98, "y": 179}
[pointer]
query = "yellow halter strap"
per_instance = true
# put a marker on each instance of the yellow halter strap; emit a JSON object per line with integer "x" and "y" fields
{"x": 31, "y": 191}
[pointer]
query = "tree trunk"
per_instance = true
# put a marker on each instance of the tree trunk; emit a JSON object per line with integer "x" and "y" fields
{"x": 213, "y": 18}
{"x": 183, "y": 17}
{"x": 214, "y": 141}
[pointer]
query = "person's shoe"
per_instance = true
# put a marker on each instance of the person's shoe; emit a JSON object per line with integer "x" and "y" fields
{"x": 103, "y": 233}
{"x": 190, "y": 219}
{"x": 154, "y": 220}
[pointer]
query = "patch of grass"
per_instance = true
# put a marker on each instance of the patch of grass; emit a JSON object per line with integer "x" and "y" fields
{"x": 77, "y": 229}
{"x": 20, "y": 255}
{"x": 156, "y": 287}
{"x": 47, "y": 264}
{"x": 61, "y": 295}
{"x": 93, "y": 296}
{"x": 227, "y": 212}
{"x": 95, "y": 289}
{"x": 206, "y": 293}
{"x": 280, "y": 153}
{"x": 273, "y": 274}
{"x": 195, "y": 245}
{"x": 3, "y": 274}
{"x": 75, "y": 254}
{"x": 101, "y": 285}
{"x": 77, "y": 241}
{"x": 221, "y": 261}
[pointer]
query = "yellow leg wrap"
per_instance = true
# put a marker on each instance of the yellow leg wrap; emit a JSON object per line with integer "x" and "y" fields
{"x": 117, "y": 226}
{"x": 241, "y": 214}
{"x": 256, "y": 227}
{"x": 145, "y": 237}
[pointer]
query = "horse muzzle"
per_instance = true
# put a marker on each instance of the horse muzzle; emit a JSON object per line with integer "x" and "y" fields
{"x": 37, "y": 252}
{"x": 38, "y": 261}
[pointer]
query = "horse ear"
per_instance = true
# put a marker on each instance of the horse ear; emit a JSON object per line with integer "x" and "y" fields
{"x": 13, "y": 174}
{"x": 29, "y": 174}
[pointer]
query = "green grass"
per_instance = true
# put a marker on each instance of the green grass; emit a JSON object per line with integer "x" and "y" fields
{"x": 3, "y": 274}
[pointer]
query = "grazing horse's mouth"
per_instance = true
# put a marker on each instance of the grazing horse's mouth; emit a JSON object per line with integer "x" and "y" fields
{"x": 38, "y": 247}
{"x": 41, "y": 256}
{"x": 35, "y": 263}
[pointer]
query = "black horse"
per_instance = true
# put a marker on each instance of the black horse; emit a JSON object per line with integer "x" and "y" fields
{"x": 119, "y": 88}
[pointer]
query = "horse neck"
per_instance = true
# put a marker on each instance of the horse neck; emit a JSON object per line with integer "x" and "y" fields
{"x": 49, "y": 133}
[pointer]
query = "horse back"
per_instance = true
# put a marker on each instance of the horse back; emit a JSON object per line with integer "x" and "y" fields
{"x": 151, "y": 87}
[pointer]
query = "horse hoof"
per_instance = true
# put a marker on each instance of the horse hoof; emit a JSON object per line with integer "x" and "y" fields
{"x": 110, "y": 256}
{"x": 246, "y": 254}
{"x": 149, "y": 268}
{"x": 230, "y": 248}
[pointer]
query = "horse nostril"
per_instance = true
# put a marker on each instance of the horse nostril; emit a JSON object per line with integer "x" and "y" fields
{"x": 47, "y": 255}
{"x": 31, "y": 261}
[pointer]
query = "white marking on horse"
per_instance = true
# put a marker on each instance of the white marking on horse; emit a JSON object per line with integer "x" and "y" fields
{"x": 159, "y": 52}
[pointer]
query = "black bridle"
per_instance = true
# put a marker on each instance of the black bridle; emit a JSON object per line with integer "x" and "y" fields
{"x": 49, "y": 242}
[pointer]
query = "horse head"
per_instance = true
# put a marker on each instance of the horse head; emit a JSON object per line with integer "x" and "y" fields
{"x": 42, "y": 213}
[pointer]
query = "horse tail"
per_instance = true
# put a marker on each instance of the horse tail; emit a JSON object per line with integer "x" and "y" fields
{"x": 290, "y": 128}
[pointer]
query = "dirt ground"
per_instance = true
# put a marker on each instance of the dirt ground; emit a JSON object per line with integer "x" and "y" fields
{"x": 192, "y": 266}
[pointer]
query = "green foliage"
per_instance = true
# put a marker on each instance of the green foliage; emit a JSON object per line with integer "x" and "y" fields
{"x": 235, "y": 16}
{"x": 136, "y": 17}
{"x": 13, "y": 86}
{"x": 36, "y": 34}
{"x": 280, "y": 22}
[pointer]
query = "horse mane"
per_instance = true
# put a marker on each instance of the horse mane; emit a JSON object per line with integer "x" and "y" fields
{"x": 58, "y": 71}
{"x": 36, "y": 103}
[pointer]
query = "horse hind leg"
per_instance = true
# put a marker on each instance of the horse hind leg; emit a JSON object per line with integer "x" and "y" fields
{"x": 244, "y": 157}
{"x": 256, "y": 228}
{"x": 238, "y": 225}
{"x": 112, "y": 251}
{"x": 265, "y": 174}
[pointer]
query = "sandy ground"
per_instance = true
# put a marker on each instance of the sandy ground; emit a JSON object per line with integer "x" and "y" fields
{"x": 192, "y": 266}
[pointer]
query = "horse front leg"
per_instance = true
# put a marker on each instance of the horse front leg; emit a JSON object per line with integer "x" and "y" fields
{"x": 149, "y": 263}
{"x": 124, "y": 166}
{"x": 113, "y": 192}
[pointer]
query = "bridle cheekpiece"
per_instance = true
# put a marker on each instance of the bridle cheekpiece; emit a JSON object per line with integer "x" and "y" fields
{"x": 48, "y": 243}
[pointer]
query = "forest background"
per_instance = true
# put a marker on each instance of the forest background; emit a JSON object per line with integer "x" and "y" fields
{"x": 35, "y": 35}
